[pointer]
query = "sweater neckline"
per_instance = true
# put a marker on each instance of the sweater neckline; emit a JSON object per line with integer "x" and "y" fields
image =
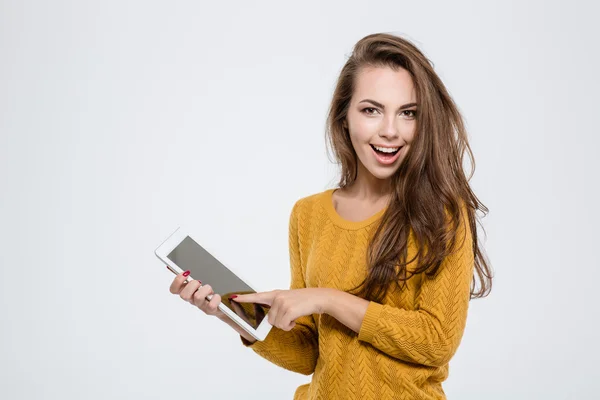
{"x": 337, "y": 219}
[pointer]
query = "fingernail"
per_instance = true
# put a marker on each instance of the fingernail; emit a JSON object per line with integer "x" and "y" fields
{"x": 186, "y": 273}
{"x": 200, "y": 282}
{"x": 233, "y": 297}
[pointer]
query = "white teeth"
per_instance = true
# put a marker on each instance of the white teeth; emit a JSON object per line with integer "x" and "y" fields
{"x": 386, "y": 149}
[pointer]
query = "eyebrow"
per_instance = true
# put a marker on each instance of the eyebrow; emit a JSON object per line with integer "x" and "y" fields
{"x": 383, "y": 107}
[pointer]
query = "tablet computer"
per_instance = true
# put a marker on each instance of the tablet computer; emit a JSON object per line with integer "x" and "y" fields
{"x": 180, "y": 252}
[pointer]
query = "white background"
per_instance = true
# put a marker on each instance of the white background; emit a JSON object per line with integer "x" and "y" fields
{"x": 121, "y": 120}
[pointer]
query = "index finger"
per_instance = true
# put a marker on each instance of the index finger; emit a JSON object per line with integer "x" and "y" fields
{"x": 178, "y": 283}
{"x": 262, "y": 297}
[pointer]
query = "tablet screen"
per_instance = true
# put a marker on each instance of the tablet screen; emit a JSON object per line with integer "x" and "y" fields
{"x": 189, "y": 255}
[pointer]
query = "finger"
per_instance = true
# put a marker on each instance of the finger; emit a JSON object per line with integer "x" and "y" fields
{"x": 246, "y": 298}
{"x": 286, "y": 320}
{"x": 189, "y": 289}
{"x": 285, "y": 315}
{"x": 281, "y": 310}
{"x": 262, "y": 297}
{"x": 199, "y": 297}
{"x": 212, "y": 307}
{"x": 272, "y": 314}
{"x": 178, "y": 283}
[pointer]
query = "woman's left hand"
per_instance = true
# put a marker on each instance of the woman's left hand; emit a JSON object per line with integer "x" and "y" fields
{"x": 288, "y": 305}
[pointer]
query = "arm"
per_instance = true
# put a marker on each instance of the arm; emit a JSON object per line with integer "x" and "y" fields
{"x": 429, "y": 335}
{"x": 298, "y": 349}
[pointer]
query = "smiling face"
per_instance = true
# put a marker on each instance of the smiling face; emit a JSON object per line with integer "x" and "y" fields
{"x": 382, "y": 113}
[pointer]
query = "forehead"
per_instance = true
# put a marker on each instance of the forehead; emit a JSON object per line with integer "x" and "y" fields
{"x": 385, "y": 85}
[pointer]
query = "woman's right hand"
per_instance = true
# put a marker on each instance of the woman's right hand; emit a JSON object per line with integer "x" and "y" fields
{"x": 195, "y": 293}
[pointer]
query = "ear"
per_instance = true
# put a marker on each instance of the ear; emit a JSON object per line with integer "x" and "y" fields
{"x": 345, "y": 124}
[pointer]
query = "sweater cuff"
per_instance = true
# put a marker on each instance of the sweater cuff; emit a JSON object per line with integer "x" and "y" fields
{"x": 247, "y": 343}
{"x": 257, "y": 345}
{"x": 369, "y": 323}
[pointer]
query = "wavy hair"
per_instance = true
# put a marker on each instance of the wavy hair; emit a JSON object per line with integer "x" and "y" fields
{"x": 429, "y": 185}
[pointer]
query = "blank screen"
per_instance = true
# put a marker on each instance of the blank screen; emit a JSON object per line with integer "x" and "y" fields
{"x": 189, "y": 255}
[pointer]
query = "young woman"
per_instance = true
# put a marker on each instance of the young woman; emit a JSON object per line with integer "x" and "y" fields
{"x": 384, "y": 266}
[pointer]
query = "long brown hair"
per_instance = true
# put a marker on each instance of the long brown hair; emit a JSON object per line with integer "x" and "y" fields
{"x": 430, "y": 183}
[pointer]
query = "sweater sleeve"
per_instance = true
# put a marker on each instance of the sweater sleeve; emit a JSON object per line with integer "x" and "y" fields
{"x": 430, "y": 334}
{"x": 298, "y": 349}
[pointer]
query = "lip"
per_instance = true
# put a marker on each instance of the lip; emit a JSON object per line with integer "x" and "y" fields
{"x": 386, "y": 161}
{"x": 384, "y": 145}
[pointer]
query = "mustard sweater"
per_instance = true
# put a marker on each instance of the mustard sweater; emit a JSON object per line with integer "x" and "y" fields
{"x": 404, "y": 344}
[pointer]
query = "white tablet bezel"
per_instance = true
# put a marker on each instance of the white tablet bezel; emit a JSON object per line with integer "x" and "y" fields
{"x": 173, "y": 241}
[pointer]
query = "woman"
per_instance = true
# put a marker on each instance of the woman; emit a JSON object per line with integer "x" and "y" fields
{"x": 383, "y": 267}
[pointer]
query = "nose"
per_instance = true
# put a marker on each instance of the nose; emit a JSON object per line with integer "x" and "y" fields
{"x": 389, "y": 129}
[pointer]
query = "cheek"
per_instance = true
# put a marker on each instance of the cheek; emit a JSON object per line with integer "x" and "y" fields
{"x": 356, "y": 143}
{"x": 360, "y": 124}
{"x": 409, "y": 133}
{"x": 405, "y": 150}
{"x": 362, "y": 133}
{"x": 367, "y": 127}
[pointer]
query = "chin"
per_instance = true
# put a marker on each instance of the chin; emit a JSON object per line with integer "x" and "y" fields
{"x": 382, "y": 173}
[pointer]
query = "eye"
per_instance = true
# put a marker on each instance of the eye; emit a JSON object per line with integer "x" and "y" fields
{"x": 369, "y": 108}
{"x": 370, "y": 111}
{"x": 413, "y": 115}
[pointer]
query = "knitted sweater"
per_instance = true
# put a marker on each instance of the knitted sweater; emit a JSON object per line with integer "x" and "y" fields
{"x": 405, "y": 342}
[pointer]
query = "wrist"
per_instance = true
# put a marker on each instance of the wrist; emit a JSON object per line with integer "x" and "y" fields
{"x": 326, "y": 300}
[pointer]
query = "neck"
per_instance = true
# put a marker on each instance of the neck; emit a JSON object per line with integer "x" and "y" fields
{"x": 370, "y": 188}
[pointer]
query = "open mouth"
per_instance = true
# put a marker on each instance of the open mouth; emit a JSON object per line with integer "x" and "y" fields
{"x": 385, "y": 153}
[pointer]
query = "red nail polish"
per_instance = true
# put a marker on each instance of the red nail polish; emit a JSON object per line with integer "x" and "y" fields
{"x": 233, "y": 296}
{"x": 186, "y": 273}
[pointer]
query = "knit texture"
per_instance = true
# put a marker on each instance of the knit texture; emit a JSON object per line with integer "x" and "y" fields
{"x": 405, "y": 342}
